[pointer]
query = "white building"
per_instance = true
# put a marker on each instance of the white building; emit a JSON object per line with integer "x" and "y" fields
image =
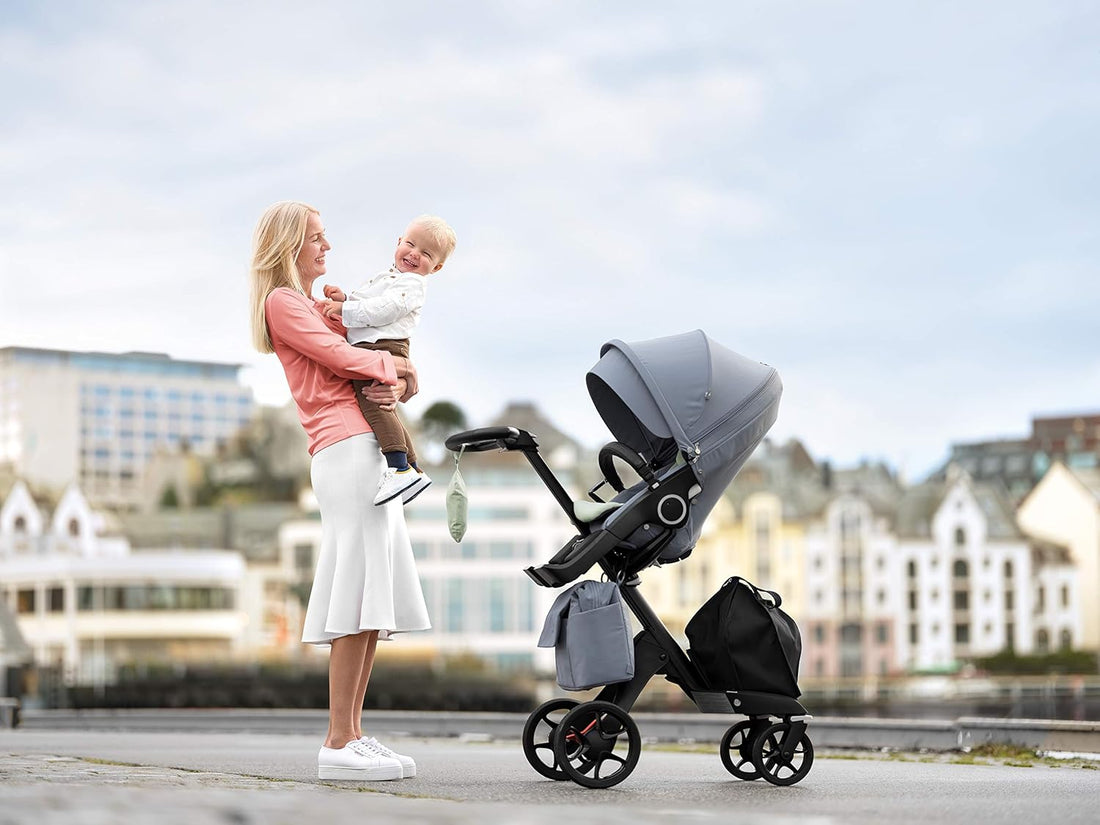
{"x": 853, "y": 589}
{"x": 975, "y": 584}
{"x": 95, "y": 419}
{"x": 87, "y": 604}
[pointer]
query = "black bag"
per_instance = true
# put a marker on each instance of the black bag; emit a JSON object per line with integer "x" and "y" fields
{"x": 741, "y": 640}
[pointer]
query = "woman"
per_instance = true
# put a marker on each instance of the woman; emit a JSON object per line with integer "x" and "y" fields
{"x": 365, "y": 586}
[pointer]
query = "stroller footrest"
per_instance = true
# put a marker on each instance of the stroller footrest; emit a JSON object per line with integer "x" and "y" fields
{"x": 574, "y": 559}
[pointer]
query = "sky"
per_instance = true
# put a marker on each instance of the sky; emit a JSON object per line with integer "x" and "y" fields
{"x": 894, "y": 204}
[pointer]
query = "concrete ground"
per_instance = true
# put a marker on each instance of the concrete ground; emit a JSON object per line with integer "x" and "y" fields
{"x": 74, "y": 777}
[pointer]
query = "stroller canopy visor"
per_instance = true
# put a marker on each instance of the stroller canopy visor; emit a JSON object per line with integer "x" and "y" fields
{"x": 685, "y": 392}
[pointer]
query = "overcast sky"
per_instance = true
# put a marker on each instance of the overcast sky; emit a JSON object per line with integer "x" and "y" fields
{"x": 896, "y": 204}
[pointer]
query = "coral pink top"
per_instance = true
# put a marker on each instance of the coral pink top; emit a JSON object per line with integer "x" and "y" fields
{"x": 319, "y": 364}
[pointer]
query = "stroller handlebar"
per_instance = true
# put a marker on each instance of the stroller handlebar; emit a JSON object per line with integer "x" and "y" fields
{"x": 491, "y": 438}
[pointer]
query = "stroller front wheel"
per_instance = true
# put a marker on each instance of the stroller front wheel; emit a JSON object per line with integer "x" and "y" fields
{"x": 538, "y": 736}
{"x": 736, "y": 749}
{"x": 597, "y": 744}
{"x": 780, "y": 760}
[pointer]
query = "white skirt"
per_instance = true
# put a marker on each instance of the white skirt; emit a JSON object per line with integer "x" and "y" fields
{"x": 366, "y": 577}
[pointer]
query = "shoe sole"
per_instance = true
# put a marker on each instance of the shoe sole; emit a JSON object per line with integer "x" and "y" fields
{"x": 416, "y": 492}
{"x": 369, "y": 774}
{"x": 387, "y": 500}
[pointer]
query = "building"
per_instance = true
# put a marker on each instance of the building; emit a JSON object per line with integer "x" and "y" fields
{"x": 87, "y": 604}
{"x": 95, "y": 419}
{"x": 976, "y": 584}
{"x": 1019, "y": 463}
{"x": 1065, "y": 509}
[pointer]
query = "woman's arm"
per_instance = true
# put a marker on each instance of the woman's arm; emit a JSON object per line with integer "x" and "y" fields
{"x": 293, "y": 321}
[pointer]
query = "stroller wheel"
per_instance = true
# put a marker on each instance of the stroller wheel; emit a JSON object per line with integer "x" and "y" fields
{"x": 736, "y": 749}
{"x": 597, "y": 744}
{"x": 538, "y": 736}
{"x": 768, "y": 755}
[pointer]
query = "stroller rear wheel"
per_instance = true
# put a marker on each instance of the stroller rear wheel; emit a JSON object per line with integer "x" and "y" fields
{"x": 736, "y": 749}
{"x": 538, "y": 736}
{"x": 780, "y": 760}
{"x": 597, "y": 744}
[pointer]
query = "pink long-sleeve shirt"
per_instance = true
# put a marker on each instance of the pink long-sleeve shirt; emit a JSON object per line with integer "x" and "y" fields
{"x": 318, "y": 363}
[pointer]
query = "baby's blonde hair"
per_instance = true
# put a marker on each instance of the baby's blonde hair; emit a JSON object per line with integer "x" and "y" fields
{"x": 278, "y": 239}
{"x": 441, "y": 233}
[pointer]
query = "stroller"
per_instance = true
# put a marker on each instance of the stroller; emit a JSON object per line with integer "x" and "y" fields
{"x": 686, "y": 413}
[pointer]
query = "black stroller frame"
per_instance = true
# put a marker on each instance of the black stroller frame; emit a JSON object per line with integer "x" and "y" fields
{"x": 596, "y": 743}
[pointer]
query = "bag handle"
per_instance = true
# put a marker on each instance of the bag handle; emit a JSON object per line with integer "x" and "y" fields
{"x": 775, "y": 599}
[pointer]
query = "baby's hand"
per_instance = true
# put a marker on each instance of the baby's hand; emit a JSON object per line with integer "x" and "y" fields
{"x": 333, "y": 309}
{"x": 335, "y": 293}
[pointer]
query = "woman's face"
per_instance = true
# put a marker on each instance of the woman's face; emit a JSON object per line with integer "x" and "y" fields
{"x": 311, "y": 257}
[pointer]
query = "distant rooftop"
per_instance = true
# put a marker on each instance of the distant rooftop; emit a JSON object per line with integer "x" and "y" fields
{"x": 133, "y": 362}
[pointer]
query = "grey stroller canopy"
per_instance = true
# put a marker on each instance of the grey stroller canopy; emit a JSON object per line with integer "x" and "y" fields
{"x": 685, "y": 397}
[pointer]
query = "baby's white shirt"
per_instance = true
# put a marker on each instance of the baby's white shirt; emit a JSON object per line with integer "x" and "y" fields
{"x": 387, "y": 306}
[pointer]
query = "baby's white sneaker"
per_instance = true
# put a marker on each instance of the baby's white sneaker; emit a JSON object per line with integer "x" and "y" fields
{"x": 394, "y": 482}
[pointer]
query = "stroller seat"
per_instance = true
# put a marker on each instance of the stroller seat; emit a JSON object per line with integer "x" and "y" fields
{"x": 589, "y": 511}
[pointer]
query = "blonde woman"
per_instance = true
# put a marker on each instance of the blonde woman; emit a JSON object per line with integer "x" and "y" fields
{"x": 365, "y": 586}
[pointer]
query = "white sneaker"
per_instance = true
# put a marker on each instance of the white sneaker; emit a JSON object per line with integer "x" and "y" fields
{"x": 412, "y": 491}
{"x": 408, "y": 766}
{"x": 393, "y": 483}
{"x": 356, "y": 761}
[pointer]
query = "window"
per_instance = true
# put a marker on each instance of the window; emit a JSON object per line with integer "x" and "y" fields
{"x": 1008, "y": 570}
{"x": 55, "y": 600}
{"x": 960, "y": 537}
{"x": 20, "y": 524}
{"x": 1065, "y": 596}
{"x": 24, "y": 601}
{"x": 962, "y": 634}
{"x": 912, "y": 568}
{"x": 912, "y": 599}
{"x": 303, "y": 557}
{"x": 74, "y": 527}
{"x": 1041, "y": 598}
{"x": 498, "y": 606}
{"x": 819, "y": 633}
{"x": 882, "y": 633}
{"x": 1065, "y": 640}
{"x": 1010, "y": 600}
{"x": 89, "y": 598}
{"x": 962, "y": 599}
{"x": 1042, "y": 641}
{"x": 960, "y": 569}
{"x": 914, "y": 634}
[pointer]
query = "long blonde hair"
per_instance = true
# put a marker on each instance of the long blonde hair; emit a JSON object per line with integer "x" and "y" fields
{"x": 276, "y": 243}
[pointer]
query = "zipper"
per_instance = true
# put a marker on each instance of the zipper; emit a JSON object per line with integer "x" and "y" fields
{"x": 732, "y": 414}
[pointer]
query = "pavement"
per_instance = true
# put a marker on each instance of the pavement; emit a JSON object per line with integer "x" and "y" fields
{"x": 101, "y": 776}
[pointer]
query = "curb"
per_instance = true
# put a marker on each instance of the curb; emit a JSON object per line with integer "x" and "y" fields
{"x": 827, "y": 732}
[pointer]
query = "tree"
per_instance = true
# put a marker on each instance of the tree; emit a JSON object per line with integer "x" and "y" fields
{"x": 441, "y": 419}
{"x": 170, "y": 498}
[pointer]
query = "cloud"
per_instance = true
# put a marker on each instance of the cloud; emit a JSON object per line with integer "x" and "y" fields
{"x": 897, "y": 215}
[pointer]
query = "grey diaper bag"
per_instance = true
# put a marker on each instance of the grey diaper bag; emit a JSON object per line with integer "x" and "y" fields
{"x": 589, "y": 628}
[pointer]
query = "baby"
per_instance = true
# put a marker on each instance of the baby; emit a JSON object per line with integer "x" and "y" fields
{"x": 380, "y": 315}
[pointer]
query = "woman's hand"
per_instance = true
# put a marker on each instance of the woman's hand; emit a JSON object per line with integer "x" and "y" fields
{"x": 412, "y": 383}
{"x": 384, "y": 395}
{"x": 333, "y": 309}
